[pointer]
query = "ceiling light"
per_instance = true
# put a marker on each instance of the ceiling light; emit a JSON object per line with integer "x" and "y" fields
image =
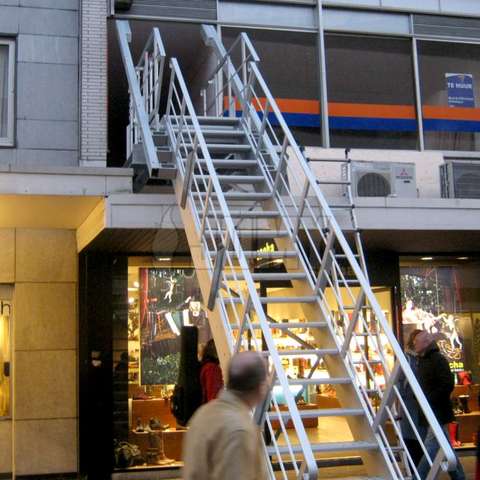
{"x": 462, "y": 258}
{"x": 131, "y": 300}
{"x": 163, "y": 259}
{"x": 136, "y": 284}
{"x": 426, "y": 259}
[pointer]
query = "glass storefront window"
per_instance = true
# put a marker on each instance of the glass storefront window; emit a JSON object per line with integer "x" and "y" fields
{"x": 288, "y": 62}
{"x": 442, "y": 295}
{"x": 5, "y": 314}
{"x": 371, "y": 97}
{"x": 163, "y": 298}
{"x": 450, "y": 88}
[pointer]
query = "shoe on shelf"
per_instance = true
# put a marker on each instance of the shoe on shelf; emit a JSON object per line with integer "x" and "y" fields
{"x": 139, "y": 428}
{"x": 156, "y": 424}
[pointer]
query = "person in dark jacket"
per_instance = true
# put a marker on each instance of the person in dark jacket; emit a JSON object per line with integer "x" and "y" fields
{"x": 411, "y": 405}
{"x": 437, "y": 382}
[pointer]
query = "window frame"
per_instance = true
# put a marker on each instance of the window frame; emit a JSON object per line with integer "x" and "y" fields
{"x": 9, "y": 140}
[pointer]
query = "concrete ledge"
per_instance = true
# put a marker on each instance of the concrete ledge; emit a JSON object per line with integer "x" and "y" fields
{"x": 81, "y": 181}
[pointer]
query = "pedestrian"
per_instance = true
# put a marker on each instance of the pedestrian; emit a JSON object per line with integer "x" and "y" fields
{"x": 211, "y": 377}
{"x": 437, "y": 383}
{"x": 411, "y": 405}
{"x": 222, "y": 441}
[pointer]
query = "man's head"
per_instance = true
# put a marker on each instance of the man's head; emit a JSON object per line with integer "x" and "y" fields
{"x": 247, "y": 376}
{"x": 422, "y": 341}
{"x": 411, "y": 339}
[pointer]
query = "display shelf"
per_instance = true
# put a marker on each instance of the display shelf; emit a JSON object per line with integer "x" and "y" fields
{"x": 172, "y": 438}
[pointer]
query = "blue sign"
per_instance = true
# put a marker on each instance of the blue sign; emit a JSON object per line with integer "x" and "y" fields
{"x": 460, "y": 90}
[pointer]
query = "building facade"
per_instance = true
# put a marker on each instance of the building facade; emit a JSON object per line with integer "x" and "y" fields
{"x": 86, "y": 262}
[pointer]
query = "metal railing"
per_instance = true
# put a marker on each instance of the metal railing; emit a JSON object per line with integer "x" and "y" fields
{"x": 360, "y": 328}
{"x": 145, "y": 83}
{"x": 239, "y": 303}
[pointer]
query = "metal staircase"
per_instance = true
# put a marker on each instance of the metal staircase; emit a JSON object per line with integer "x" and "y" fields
{"x": 240, "y": 179}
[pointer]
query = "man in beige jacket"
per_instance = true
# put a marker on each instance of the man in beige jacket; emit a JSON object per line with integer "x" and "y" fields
{"x": 222, "y": 442}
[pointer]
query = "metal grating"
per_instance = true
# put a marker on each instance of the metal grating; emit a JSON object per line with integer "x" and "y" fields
{"x": 448, "y": 27}
{"x": 373, "y": 185}
{"x": 467, "y": 181}
{"x": 191, "y": 9}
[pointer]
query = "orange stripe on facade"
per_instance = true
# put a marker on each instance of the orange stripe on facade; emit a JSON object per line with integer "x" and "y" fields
{"x": 451, "y": 113}
{"x": 367, "y": 110}
{"x": 371, "y": 110}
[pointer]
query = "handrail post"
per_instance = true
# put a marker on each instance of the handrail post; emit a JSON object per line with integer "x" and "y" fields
{"x": 387, "y": 397}
{"x": 124, "y": 35}
{"x": 205, "y": 207}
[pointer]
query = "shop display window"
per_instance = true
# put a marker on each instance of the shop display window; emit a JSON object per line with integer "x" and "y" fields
{"x": 5, "y": 315}
{"x": 163, "y": 297}
{"x": 442, "y": 295}
{"x": 164, "y": 301}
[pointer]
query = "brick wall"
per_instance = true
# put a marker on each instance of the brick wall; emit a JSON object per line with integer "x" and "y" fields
{"x": 93, "y": 82}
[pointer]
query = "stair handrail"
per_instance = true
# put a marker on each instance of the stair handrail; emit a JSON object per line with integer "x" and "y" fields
{"x": 354, "y": 264}
{"x": 151, "y": 66}
{"x": 140, "y": 118}
{"x": 255, "y": 113}
{"x": 248, "y": 54}
{"x": 185, "y": 105}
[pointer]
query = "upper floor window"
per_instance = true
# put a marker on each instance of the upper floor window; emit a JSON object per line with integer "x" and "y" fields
{"x": 7, "y": 82}
{"x": 288, "y": 62}
{"x": 450, "y": 85}
{"x": 371, "y": 93}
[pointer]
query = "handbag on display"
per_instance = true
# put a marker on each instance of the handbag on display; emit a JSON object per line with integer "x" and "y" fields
{"x": 127, "y": 455}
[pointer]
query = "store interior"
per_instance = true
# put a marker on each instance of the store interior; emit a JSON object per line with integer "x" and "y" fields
{"x": 164, "y": 296}
{"x": 441, "y": 295}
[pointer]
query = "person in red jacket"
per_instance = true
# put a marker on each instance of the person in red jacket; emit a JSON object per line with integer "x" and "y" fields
{"x": 211, "y": 378}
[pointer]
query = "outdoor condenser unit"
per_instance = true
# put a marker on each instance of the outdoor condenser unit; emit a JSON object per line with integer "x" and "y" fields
{"x": 460, "y": 179}
{"x": 383, "y": 179}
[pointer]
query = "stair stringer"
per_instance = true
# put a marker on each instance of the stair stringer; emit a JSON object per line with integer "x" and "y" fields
{"x": 374, "y": 461}
{"x": 223, "y": 342}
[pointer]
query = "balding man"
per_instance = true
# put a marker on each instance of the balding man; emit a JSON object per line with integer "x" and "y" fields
{"x": 222, "y": 442}
{"x": 437, "y": 382}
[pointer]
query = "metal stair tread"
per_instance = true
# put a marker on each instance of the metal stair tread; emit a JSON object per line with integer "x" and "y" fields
{"x": 210, "y": 120}
{"x": 326, "y": 447}
{"x": 252, "y": 196}
{"x": 318, "y": 381}
{"x": 228, "y": 147}
{"x": 250, "y": 179}
{"x": 317, "y": 413}
{"x": 215, "y": 131}
{"x": 319, "y": 352}
{"x": 252, "y": 233}
{"x": 268, "y": 276}
{"x": 277, "y": 254}
{"x": 265, "y": 300}
{"x": 247, "y": 214}
{"x": 259, "y": 254}
{"x": 230, "y": 163}
{"x": 288, "y": 325}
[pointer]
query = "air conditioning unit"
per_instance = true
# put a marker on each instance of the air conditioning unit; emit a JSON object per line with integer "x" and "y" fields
{"x": 383, "y": 179}
{"x": 460, "y": 179}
